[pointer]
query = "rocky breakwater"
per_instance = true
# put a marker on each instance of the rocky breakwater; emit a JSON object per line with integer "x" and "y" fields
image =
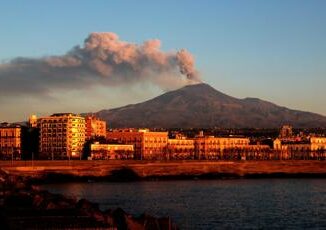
{"x": 23, "y": 206}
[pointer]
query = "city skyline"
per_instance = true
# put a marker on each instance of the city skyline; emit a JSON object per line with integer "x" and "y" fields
{"x": 273, "y": 51}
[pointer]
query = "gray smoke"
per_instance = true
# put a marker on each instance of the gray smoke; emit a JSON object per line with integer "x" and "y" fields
{"x": 102, "y": 60}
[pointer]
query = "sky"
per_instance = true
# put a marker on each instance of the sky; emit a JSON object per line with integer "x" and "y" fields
{"x": 272, "y": 50}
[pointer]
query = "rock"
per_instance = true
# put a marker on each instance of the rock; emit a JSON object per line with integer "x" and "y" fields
{"x": 38, "y": 199}
{"x": 91, "y": 209}
{"x": 19, "y": 196}
{"x": 50, "y": 205}
{"x": 15, "y": 200}
{"x": 123, "y": 221}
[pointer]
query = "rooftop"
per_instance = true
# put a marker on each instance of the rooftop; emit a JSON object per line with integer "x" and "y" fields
{"x": 63, "y": 114}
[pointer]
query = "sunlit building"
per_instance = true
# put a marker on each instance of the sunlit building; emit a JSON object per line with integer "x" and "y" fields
{"x": 111, "y": 151}
{"x": 180, "y": 148}
{"x": 32, "y": 121}
{"x": 10, "y": 141}
{"x": 210, "y": 147}
{"x": 318, "y": 143}
{"x": 62, "y": 136}
{"x": 147, "y": 145}
{"x": 94, "y": 127}
{"x": 312, "y": 144}
{"x": 311, "y": 148}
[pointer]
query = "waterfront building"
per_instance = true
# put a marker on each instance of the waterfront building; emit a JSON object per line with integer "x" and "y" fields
{"x": 311, "y": 148}
{"x": 180, "y": 148}
{"x": 111, "y": 151}
{"x": 210, "y": 147}
{"x": 62, "y": 136}
{"x": 10, "y": 141}
{"x": 311, "y": 144}
{"x": 147, "y": 145}
{"x": 94, "y": 127}
{"x": 318, "y": 143}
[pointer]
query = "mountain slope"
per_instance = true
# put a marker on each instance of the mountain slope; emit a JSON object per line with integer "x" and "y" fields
{"x": 201, "y": 106}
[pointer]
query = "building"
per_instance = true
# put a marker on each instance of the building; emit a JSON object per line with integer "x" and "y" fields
{"x": 94, "y": 127}
{"x": 312, "y": 144}
{"x": 10, "y": 141}
{"x": 111, "y": 151}
{"x": 286, "y": 131}
{"x": 147, "y": 145}
{"x": 311, "y": 148}
{"x": 318, "y": 143}
{"x": 210, "y": 147}
{"x": 181, "y": 148}
{"x": 62, "y": 136}
{"x": 32, "y": 121}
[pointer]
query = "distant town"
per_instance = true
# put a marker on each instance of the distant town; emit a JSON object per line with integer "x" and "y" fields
{"x": 68, "y": 136}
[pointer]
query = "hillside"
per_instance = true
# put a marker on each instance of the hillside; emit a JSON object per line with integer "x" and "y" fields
{"x": 202, "y": 106}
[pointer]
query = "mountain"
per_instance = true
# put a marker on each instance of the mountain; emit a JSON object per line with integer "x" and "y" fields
{"x": 202, "y": 106}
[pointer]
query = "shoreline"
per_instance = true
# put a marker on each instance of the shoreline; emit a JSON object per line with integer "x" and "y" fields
{"x": 124, "y": 171}
{"x": 23, "y": 204}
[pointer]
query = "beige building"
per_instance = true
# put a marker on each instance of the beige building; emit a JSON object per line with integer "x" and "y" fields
{"x": 313, "y": 144}
{"x": 111, "y": 151}
{"x": 180, "y": 148}
{"x": 10, "y": 141}
{"x": 318, "y": 143}
{"x": 94, "y": 127}
{"x": 210, "y": 147}
{"x": 312, "y": 148}
{"x": 147, "y": 145}
{"x": 62, "y": 136}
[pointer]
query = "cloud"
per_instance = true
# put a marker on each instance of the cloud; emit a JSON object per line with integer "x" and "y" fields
{"x": 102, "y": 60}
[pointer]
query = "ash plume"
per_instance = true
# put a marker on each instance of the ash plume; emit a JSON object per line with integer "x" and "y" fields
{"x": 102, "y": 60}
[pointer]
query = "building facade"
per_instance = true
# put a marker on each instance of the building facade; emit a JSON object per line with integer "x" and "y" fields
{"x": 312, "y": 148}
{"x": 10, "y": 141}
{"x": 181, "y": 148}
{"x": 111, "y": 151}
{"x": 62, "y": 136}
{"x": 94, "y": 127}
{"x": 147, "y": 145}
{"x": 210, "y": 147}
{"x": 312, "y": 144}
{"x": 318, "y": 143}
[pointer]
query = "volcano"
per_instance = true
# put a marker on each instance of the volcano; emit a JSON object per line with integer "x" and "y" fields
{"x": 202, "y": 106}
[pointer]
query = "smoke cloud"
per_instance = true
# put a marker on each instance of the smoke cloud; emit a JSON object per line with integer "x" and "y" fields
{"x": 102, "y": 60}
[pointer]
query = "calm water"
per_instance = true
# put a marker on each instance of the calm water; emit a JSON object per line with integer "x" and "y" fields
{"x": 215, "y": 204}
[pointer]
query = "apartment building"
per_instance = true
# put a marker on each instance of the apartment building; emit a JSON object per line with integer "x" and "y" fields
{"x": 181, "y": 148}
{"x": 311, "y": 144}
{"x": 10, "y": 141}
{"x": 318, "y": 143}
{"x": 147, "y": 145}
{"x": 111, "y": 151}
{"x": 210, "y": 147}
{"x": 95, "y": 127}
{"x": 62, "y": 136}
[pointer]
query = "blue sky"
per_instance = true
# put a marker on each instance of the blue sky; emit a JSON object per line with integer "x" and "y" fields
{"x": 273, "y": 50}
